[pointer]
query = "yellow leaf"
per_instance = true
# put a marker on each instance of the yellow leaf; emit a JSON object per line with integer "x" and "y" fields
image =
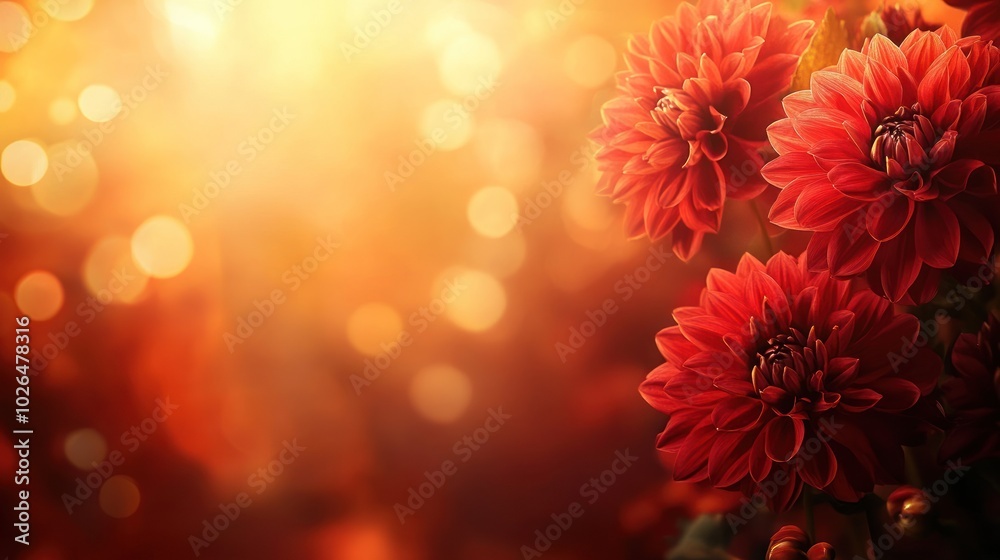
{"x": 824, "y": 50}
{"x": 873, "y": 25}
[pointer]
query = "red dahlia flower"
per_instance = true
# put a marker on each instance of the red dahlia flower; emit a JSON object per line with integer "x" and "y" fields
{"x": 889, "y": 158}
{"x": 781, "y": 377}
{"x": 692, "y": 113}
{"x": 973, "y": 396}
{"x": 900, "y": 21}
{"x": 983, "y": 18}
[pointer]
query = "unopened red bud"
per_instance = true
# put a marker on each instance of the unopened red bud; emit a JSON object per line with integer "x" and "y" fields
{"x": 821, "y": 551}
{"x": 910, "y": 509}
{"x": 792, "y": 543}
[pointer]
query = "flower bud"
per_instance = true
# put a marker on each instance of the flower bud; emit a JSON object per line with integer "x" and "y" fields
{"x": 792, "y": 543}
{"x": 909, "y": 509}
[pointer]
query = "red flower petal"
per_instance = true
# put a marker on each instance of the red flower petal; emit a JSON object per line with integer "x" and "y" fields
{"x": 859, "y": 400}
{"x": 760, "y": 464}
{"x": 946, "y": 79}
{"x": 982, "y": 20}
{"x": 816, "y": 125}
{"x": 782, "y": 213}
{"x": 785, "y": 169}
{"x": 728, "y": 459}
{"x": 692, "y": 457}
{"x": 899, "y": 394}
{"x": 686, "y": 242}
{"x": 821, "y": 207}
{"x": 782, "y": 438}
{"x": 882, "y": 87}
{"x": 850, "y": 251}
{"x": 887, "y": 217}
{"x": 819, "y": 468}
{"x": 921, "y": 49}
{"x": 783, "y": 137}
{"x": 900, "y": 265}
{"x": 883, "y": 50}
{"x": 706, "y": 183}
{"x": 859, "y": 181}
{"x": 837, "y": 90}
{"x": 938, "y": 234}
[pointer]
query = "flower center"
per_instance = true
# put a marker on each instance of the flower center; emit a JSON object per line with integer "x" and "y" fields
{"x": 786, "y": 350}
{"x": 789, "y": 359}
{"x": 700, "y": 125}
{"x": 789, "y": 373}
{"x": 892, "y": 135}
{"x": 901, "y": 145}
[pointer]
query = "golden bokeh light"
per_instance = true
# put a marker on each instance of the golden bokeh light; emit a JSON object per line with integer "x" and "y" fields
{"x": 24, "y": 163}
{"x": 586, "y": 211}
{"x": 70, "y": 183}
{"x": 440, "y": 393}
{"x": 500, "y": 257}
{"x": 482, "y": 302}
{"x": 84, "y": 447}
{"x": 68, "y": 10}
{"x": 110, "y": 273}
{"x": 468, "y": 61}
{"x": 447, "y": 124}
{"x": 119, "y": 496}
{"x": 590, "y": 61}
{"x": 7, "y": 96}
{"x": 62, "y": 110}
{"x": 39, "y": 295}
{"x": 162, "y": 247}
{"x": 312, "y": 255}
{"x": 440, "y": 32}
{"x": 492, "y": 212}
{"x": 511, "y": 150}
{"x": 193, "y": 23}
{"x": 14, "y": 21}
{"x": 372, "y": 325}
{"x": 99, "y": 103}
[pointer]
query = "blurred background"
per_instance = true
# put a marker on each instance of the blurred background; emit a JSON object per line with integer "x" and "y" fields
{"x": 284, "y": 261}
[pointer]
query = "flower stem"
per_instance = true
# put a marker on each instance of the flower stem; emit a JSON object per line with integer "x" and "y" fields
{"x": 807, "y": 502}
{"x": 872, "y": 516}
{"x": 763, "y": 228}
{"x": 912, "y": 470}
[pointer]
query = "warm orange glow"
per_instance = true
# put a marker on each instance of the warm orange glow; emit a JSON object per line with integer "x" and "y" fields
{"x": 120, "y": 496}
{"x": 24, "y": 163}
{"x": 317, "y": 252}
{"x": 39, "y": 295}
{"x": 162, "y": 247}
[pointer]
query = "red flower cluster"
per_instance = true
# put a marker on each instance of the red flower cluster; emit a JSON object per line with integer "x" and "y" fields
{"x": 973, "y": 396}
{"x": 782, "y": 369}
{"x": 890, "y": 158}
{"x": 798, "y": 372}
{"x": 694, "y": 104}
